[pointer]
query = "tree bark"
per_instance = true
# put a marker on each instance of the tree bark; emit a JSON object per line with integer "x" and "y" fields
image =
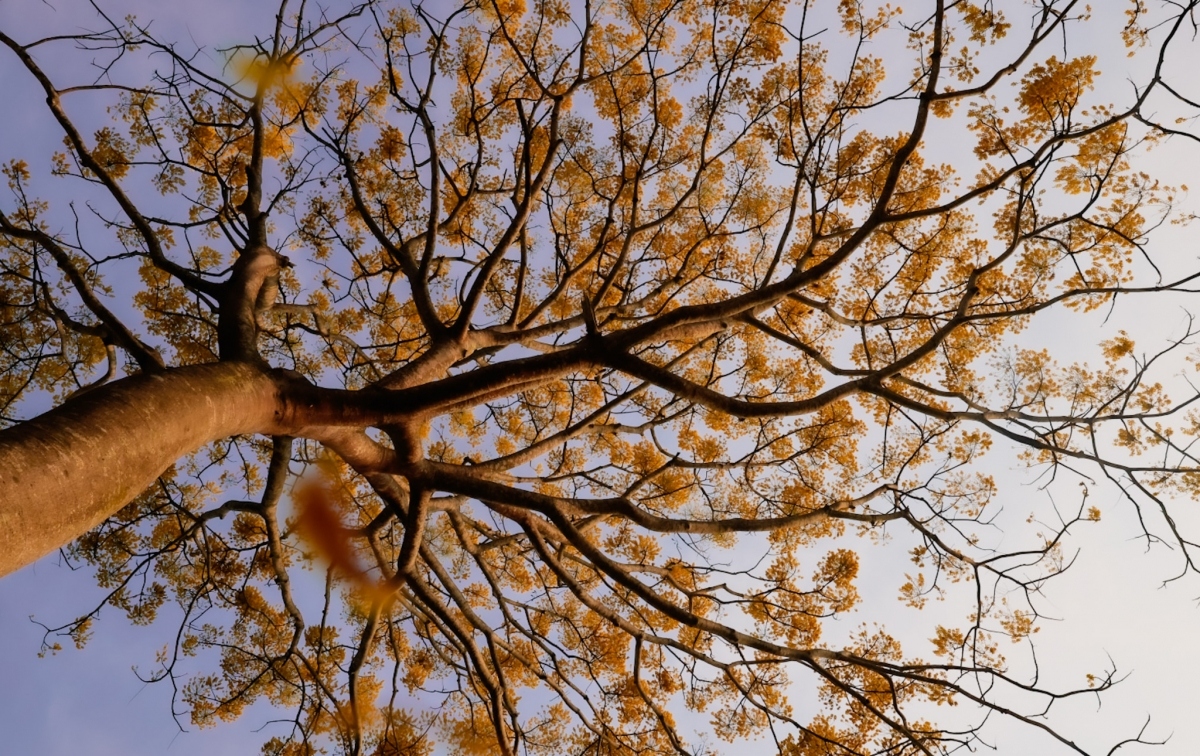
{"x": 63, "y": 473}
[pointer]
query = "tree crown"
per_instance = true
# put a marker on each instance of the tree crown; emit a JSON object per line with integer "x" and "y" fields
{"x": 581, "y": 351}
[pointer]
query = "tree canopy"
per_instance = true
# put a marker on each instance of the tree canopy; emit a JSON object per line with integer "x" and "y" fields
{"x": 534, "y": 377}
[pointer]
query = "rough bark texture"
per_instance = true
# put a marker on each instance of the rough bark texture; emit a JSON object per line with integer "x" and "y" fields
{"x": 66, "y": 471}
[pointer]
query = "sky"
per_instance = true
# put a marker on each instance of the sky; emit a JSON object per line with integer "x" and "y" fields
{"x": 1113, "y": 602}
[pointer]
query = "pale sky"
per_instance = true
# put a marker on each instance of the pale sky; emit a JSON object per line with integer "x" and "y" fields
{"x": 1112, "y": 600}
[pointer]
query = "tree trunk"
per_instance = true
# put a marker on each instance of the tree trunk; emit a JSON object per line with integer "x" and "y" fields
{"x": 64, "y": 472}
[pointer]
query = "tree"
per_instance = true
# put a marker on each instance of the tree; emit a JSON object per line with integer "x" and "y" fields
{"x": 582, "y": 349}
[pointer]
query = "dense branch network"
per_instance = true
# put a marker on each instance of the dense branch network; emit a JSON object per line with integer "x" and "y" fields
{"x": 577, "y": 345}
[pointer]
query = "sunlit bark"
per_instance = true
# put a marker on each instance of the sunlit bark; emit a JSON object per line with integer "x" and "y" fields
{"x": 64, "y": 472}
